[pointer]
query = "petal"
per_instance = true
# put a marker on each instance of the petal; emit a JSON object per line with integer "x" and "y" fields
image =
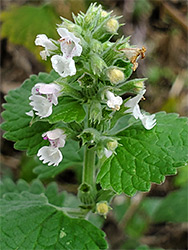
{"x": 136, "y": 112}
{"x": 41, "y": 105}
{"x": 44, "y": 54}
{"x": 50, "y": 155}
{"x": 113, "y": 102}
{"x": 50, "y": 88}
{"x": 148, "y": 121}
{"x": 54, "y": 134}
{"x": 30, "y": 113}
{"x": 44, "y": 41}
{"x": 132, "y": 103}
{"x": 107, "y": 152}
{"x": 70, "y": 44}
{"x": 64, "y": 67}
{"x": 63, "y": 32}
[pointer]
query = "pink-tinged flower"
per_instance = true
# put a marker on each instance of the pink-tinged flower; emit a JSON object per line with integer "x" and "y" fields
{"x": 148, "y": 121}
{"x": 69, "y": 43}
{"x": 113, "y": 102}
{"x": 63, "y": 66}
{"x": 51, "y": 154}
{"x": 48, "y": 44}
{"x": 42, "y": 98}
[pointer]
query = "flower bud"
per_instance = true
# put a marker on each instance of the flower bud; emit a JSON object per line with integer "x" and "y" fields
{"x": 112, "y": 145}
{"x": 104, "y": 13}
{"x": 115, "y": 75}
{"x": 112, "y": 25}
{"x": 139, "y": 86}
{"x": 102, "y": 208}
{"x": 95, "y": 112}
{"x": 86, "y": 194}
{"x": 97, "y": 64}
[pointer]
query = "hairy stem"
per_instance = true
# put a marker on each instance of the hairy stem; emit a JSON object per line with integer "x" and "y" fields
{"x": 89, "y": 166}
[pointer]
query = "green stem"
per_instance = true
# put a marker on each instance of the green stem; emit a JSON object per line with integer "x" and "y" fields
{"x": 88, "y": 175}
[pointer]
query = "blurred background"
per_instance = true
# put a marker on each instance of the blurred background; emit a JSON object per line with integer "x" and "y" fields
{"x": 157, "y": 220}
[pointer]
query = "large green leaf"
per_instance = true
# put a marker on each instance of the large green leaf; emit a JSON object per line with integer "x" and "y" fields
{"x": 17, "y": 123}
{"x": 36, "y": 187}
{"x": 31, "y": 218}
{"x": 146, "y": 156}
{"x": 29, "y": 221}
{"x": 173, "y": 208}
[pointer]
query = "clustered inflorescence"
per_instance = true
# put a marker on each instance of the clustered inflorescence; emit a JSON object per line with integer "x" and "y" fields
{"x": 94, "y": 70}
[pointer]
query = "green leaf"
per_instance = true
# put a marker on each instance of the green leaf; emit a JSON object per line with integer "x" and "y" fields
{"x": 181, "y": 179}
{"x": 67, "y": 110}
{"x": 21, "y": 25}
{"x": 173, "y": 208}
{"x": 146, "y": 156}
{"x": 17, "y": 123}
{"x": 29, "y": 221}
{"x": 72, "y": 156}
{"x": 36, "y": 187}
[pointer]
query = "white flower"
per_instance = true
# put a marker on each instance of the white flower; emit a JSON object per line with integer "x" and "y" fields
{"x": 148, "y": 121}
{"x": 48, "y": 44}
{"x": 51, "y": 90}
{"x": 64, "y": 67}
{"x": 113, "y": 102}
{"x": 51, "y": 154}
{"x": 133, "y": 106}
{"x": 69, "y": 43}
{"x": 108, "y": 152}
{"x": 42, "y": 98}
{"x": 41, "y": 105}
{"x": 30, "y": 113}
{"x": 56, "y": 137}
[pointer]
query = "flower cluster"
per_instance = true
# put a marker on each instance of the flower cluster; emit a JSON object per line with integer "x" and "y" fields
{"x": 93, "y": 71}
{"x": 62, "y": 51}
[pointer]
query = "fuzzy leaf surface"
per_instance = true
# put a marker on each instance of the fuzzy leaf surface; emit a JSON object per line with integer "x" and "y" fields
{"x": 46, "y": 227}
{"x": 17, "y": 124}
{"x": 67, "y": 110}
{"x": 146, "y": 156}
{"x": 36, "y": 187}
